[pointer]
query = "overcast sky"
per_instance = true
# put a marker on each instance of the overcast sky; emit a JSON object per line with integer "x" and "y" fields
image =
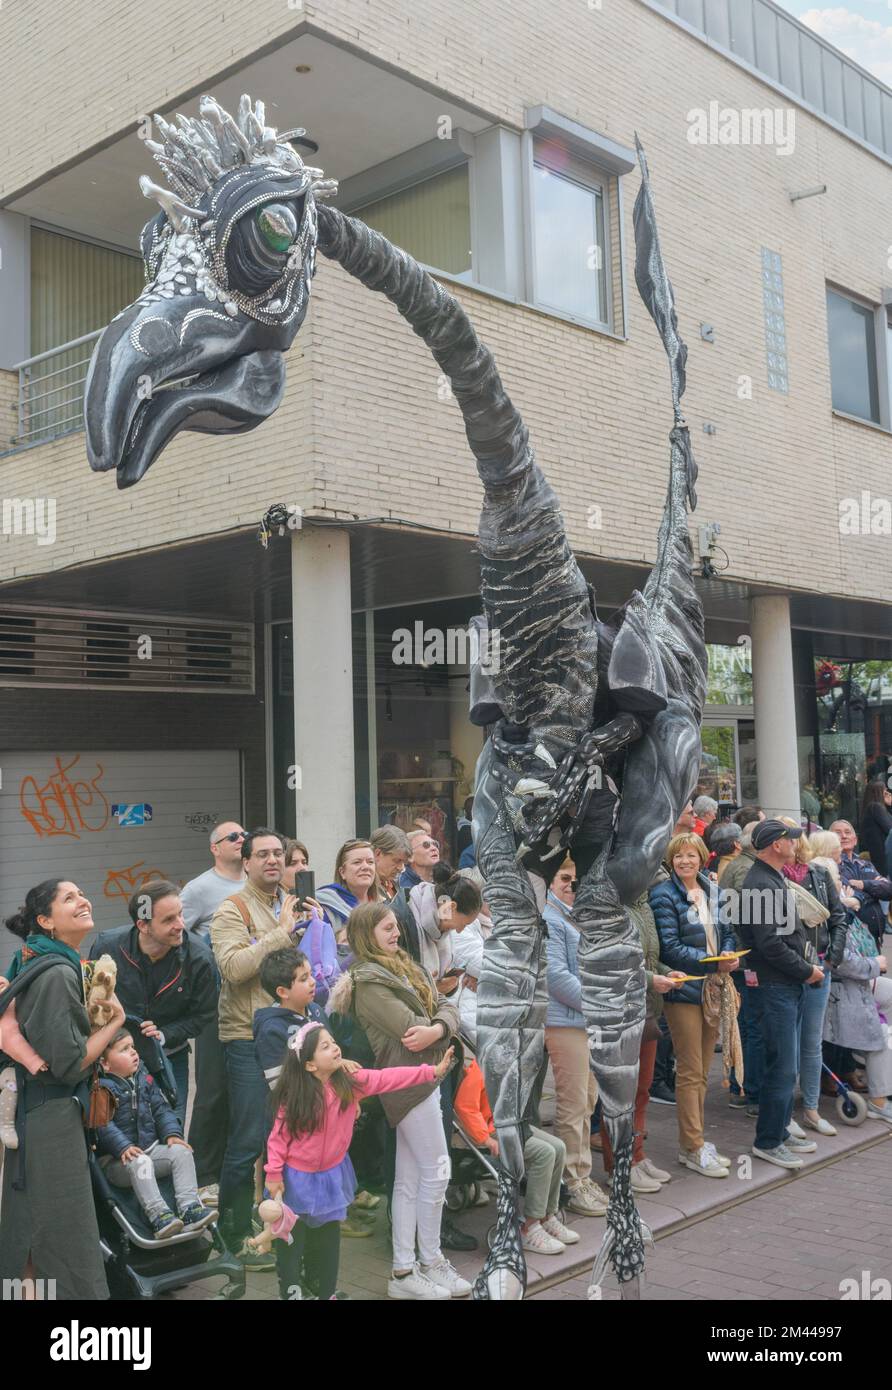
{"x": 860, "y": 28}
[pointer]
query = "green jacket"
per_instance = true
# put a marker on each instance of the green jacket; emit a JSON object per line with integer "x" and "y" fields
{"x": 643, "y": 919}
{"x": 732, "y": 877}
{"x": 385, "y": 1008}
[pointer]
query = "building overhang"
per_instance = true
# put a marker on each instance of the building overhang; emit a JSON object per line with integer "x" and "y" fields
{"x": 396, "y": 565}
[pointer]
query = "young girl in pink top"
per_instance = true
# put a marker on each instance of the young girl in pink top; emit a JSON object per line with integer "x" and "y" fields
{"x": 316, "y": 1101}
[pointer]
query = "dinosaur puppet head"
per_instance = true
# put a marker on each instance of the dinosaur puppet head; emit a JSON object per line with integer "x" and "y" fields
{"x": 228, "y": 261}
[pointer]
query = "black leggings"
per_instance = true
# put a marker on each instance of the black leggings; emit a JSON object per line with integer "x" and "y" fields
{"x": 315, "y": 1250}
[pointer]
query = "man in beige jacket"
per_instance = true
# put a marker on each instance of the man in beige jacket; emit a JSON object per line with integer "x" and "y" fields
{"x": 245, "y": 928}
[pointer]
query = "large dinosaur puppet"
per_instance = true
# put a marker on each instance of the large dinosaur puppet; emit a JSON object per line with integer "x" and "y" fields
{"x": 594, "y": 738}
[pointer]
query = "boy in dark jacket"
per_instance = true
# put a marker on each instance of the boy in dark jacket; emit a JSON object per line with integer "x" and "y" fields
{"x": 145, "y": 1141}
{"x": 287, "y": 978}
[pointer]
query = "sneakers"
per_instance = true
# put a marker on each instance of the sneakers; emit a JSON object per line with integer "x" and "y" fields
{"x": 752, "y": 1110}
{"x": 255, "y": 1261}
{"x": 737, "y": 1102}
{"x": 642, "y": 1181}
{"x": 537, "y": 1239}
{"x": 365, "y": 1201}
{"x": 587, "y": 1199}
{"x": 819, "y": 1125}
{"x": 555, "y": 1227}
{"x": 197, "y": 1217}
{"x": 355, "y": 1229}
{"x": 446, "y": 1276}
{"x": 209, "y": 1195}
{"x": 880, "y": 1112}
{"x": 781, "y": 1157}
{"x": 453, "y": 1238}
{"x": 416, "y": 1285}
{"x": 703, "y": 1161}
{"x": 165, "y": 1225}
{"x": 717, "y": 1157}
{"x": 796, "y": 1131}
{"x": 658, "y": 1174}
{"x": 799, "y": 1146}
{"x": 662, "y": 1094}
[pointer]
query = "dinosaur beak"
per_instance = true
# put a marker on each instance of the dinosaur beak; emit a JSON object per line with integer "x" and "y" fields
{"x": 176, "y": 364}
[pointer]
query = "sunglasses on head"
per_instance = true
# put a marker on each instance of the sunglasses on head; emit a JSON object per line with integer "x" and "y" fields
{"x": 231, "y": 837}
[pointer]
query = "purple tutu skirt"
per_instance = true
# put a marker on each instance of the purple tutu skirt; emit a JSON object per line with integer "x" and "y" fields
{"x": 320, "y": 1197}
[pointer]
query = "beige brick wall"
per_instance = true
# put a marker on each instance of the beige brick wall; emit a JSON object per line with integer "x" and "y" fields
{"x": 362, "y": 430}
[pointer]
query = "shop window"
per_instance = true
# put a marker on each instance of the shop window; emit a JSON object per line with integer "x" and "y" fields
{"x": 851, "y": 331}
{"x": 431, "y": 220}
{"x": 571, "y": 253}
{"x": 852, "y": 739}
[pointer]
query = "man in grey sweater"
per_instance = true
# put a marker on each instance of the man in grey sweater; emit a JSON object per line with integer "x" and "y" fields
{"x": 200, "y": 898}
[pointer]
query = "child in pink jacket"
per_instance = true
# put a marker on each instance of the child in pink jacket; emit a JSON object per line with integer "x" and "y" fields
{"x": 316, "y": 1101}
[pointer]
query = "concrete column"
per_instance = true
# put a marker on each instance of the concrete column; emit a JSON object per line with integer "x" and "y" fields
{"x": 777, "y": 762}
{"x": 323, "y": 693}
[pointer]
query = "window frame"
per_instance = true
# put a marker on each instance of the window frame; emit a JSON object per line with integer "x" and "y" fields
{"x": 354, "y": 207}
{"x": 882, "y": 326}
{"x": 591, "y": 180}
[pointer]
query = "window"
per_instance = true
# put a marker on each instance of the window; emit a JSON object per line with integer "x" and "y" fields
{"x": 431, "y": 220}
{"x": 569, "y": 236}
{"x": 851, "y": 329}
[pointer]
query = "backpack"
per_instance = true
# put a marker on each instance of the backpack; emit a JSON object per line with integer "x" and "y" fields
{"x": 321, "y": 950}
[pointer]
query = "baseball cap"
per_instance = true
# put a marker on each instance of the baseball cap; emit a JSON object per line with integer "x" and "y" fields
{"x": 767, "y": 831}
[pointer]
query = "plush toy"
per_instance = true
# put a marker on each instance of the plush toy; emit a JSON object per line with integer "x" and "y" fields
{"x": 277, "y": 1222}
{"x": 103, "y": 978}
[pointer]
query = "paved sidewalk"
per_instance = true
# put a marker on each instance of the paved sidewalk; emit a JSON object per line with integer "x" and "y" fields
{"x": 365, "y": 1264}
{"x": 796, "y": 1243}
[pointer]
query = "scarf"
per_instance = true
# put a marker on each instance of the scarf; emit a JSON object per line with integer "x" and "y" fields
{"x": 720, "y": 1002}
{"x": 37, "y": 945}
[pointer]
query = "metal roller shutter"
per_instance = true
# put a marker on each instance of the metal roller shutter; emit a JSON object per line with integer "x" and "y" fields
{"x": 58, "y": 819}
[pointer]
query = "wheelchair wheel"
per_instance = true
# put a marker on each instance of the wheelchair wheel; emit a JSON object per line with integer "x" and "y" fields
{"x": 851, "y": 1109}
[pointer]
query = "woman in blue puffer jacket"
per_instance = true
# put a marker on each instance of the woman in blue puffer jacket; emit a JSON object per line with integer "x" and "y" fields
{"x": 684, "y": 910}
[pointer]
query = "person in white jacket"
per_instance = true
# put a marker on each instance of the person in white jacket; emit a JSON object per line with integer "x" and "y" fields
{"x": 440, "y": 908}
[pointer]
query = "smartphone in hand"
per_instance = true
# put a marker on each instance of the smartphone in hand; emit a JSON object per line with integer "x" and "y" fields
{"x": 304, "y": 887}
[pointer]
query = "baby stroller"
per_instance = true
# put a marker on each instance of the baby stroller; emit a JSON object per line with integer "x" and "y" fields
{"x": 850, "y": 1107}
{"x": 471, "y": 1167}
{"x": 136, "y": 1265}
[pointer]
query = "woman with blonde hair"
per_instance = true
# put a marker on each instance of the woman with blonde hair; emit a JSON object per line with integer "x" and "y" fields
{"x": 406, "y": 1020}
{"x": 824, "y": 916}
{"x": 355, "y": 882}
{"x": 690, "y": 932}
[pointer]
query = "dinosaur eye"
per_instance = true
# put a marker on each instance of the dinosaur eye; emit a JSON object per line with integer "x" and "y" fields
{"x": 277, "y": 226}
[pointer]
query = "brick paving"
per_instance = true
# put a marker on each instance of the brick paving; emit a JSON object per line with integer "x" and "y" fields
{"x": 795, "y": 1242}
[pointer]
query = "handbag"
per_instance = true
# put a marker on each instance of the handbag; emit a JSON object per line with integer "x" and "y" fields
{"x": 101, "y": 1104}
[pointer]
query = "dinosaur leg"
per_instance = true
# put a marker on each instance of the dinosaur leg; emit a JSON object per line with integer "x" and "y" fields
{"x": 611, "y": 969}
{"x": 511, "y": 1003}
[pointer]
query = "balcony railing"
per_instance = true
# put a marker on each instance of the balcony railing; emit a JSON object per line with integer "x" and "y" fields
{"x": 51, "y": 391}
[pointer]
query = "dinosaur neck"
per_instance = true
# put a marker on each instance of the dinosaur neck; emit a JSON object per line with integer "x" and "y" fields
{"x": 496, "y": 433}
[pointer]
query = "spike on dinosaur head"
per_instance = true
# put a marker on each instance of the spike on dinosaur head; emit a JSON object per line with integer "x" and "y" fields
{"x": 228, "y": 259}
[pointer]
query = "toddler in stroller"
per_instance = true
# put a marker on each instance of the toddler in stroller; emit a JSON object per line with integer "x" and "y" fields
{"x": 144, "y": 1141}
{"x": 138, "y": 1265}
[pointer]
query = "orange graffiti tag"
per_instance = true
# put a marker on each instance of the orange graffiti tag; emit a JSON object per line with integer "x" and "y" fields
{"x": 63, "y": 807}
{"x": 123, "y": 883}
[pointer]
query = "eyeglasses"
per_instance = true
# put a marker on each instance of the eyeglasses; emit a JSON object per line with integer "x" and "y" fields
{"x": 232, "y": 837}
